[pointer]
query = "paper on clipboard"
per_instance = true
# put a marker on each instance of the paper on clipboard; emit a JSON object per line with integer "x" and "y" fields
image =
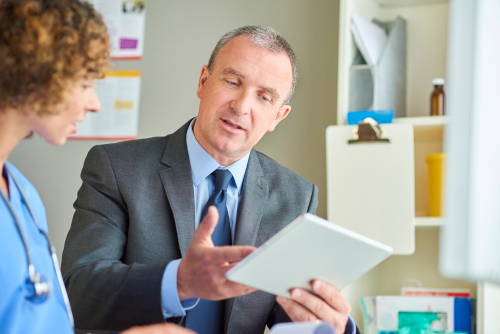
{"x": 371, "y": 186}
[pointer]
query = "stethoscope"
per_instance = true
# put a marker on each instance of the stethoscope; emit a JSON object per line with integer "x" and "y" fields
{"x": 38, "y": 286}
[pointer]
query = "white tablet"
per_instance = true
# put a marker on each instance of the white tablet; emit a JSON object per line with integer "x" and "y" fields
{"x": 309, "y": 248}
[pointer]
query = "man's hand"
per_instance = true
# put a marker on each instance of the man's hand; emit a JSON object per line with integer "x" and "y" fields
{"x": 158, "y": 329}
{"x": 328, "y": 305}
{"x": 201, "y": 273}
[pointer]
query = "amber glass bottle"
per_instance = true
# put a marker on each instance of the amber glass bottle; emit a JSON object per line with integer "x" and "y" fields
{"x": 437, "y": 98}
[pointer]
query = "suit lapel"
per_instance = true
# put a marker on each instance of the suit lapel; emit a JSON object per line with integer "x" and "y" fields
{"x": 178, "y": 184}
{"x": 250, "y": 211}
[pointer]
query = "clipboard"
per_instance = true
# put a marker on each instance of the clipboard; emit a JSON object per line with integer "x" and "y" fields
{"x": 371, "y": 184}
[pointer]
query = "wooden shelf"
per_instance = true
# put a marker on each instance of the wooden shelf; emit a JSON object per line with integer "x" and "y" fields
{"x": 428, "y": 221}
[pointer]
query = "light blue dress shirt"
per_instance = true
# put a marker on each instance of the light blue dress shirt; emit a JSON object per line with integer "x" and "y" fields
{"x": 18, "y": 314}
{"x": 202, "y": 165}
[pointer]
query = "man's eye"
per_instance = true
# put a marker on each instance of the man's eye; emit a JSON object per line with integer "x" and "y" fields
{"x": 264, "y": 98}
{"x": 232, "y": 83}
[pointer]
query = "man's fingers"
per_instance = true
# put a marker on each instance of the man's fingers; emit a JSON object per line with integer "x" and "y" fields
{"x": 295, "y": 311}
{"x": 316, "y": 305}
{"x": 331, "y": 295}
{"x": 328, "y": 305}
{"x": 238, "y": 289}
{"x": 231, "y": 289}
{"x": 231, "y": 253}
{"x": 207, "y": 225}
{"x": 321, "y": 309}
{"x": 234, "y": 289}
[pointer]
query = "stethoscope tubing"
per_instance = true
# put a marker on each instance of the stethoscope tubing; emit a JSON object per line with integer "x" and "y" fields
{"x": 52, "y": 250}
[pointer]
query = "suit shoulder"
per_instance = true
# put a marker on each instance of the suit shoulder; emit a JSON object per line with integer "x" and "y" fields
{"x": 137, "y": 144}
{"x": 274, "y": 170}
{"x": 133, "y": 149}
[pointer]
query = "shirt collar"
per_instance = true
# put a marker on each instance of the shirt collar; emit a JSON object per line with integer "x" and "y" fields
{"x": 202, "y": 163}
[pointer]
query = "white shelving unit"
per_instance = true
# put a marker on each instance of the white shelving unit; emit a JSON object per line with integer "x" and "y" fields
{"x": 428, "y": 222}
{"x": 401, "y": 3}
{"x": 423, "y": 122}
{"x": 427, "y": 128}
{"x": 427, "y": 29}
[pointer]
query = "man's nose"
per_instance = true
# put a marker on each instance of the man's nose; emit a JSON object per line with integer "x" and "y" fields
{"x": 242, "y": 103}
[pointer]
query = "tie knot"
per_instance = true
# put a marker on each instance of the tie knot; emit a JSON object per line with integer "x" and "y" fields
{"x": 221, "y": 179}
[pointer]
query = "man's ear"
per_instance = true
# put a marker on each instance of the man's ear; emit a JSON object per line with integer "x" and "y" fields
{"x": 203, "y": 78}
{"x": 282, "y": 113}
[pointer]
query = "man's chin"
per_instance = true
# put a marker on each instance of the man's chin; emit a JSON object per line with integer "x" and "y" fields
{"x": 229, "y": 152}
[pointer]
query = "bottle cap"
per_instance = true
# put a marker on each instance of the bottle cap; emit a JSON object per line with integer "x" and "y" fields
{"x": 438, "y": 82}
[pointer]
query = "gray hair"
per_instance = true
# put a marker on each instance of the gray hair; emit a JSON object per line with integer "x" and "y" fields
{"x": 263, "y": 37}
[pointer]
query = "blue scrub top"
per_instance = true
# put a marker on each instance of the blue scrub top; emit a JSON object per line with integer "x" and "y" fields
{"x": 18, "y": 314}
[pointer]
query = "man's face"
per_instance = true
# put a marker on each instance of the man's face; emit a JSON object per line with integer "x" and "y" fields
{"x": 242, "y": 99}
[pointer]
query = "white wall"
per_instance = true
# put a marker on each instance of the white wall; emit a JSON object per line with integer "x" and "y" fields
{"x": 180, "y": 35}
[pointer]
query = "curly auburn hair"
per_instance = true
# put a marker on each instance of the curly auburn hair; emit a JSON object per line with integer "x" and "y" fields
{"x": 46, "y": 46}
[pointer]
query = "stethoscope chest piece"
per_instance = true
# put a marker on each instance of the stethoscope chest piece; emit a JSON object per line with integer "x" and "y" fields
{"x": 37, "y": 288}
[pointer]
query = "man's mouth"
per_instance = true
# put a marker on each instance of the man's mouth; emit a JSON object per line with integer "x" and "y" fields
{"x": 233, "y": 125}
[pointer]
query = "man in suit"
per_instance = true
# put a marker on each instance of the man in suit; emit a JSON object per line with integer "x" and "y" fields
{"x": 160, "y": 221}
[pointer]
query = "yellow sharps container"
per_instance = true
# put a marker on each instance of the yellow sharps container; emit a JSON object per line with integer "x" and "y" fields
{"x": 435, "y": 163}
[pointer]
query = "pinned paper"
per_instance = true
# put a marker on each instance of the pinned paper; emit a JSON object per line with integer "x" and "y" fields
{"x": 119, "y": 115}
{"x": 125, "y": 20}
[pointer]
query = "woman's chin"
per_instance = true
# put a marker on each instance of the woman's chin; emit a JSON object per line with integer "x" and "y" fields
{"x": 56, "y": 141}
{"x": 60, "y": 141}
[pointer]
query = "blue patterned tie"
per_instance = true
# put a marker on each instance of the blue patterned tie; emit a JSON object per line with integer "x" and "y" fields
{"x": 208, "y": 316}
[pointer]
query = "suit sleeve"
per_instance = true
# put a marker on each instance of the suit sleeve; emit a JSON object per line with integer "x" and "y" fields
{"x": 104, "y": 292}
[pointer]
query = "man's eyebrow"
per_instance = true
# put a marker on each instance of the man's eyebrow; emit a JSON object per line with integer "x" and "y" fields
{"x": 230, "y": 70}
{"x": 274, "y": 93}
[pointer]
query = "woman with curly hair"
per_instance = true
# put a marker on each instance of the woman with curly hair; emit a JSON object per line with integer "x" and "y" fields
{"x": 50, "y": 54}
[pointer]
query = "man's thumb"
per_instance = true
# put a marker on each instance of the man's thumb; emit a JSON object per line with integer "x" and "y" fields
{"x": 207, "y": 225}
